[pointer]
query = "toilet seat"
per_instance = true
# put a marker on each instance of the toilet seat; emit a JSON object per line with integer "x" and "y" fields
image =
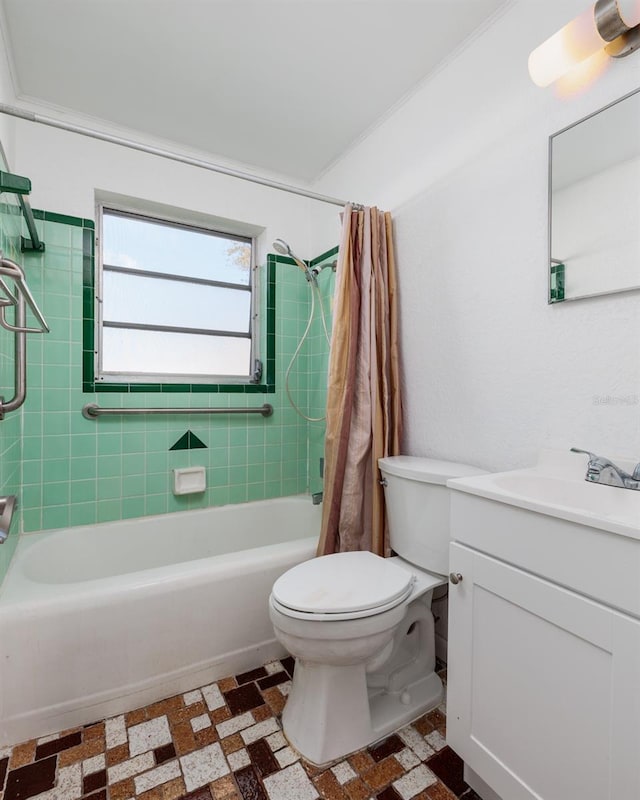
{"x": 342, "y": 586}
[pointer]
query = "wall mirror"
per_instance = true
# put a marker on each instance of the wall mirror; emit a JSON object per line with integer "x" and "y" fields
{"x": 594, "y": 203}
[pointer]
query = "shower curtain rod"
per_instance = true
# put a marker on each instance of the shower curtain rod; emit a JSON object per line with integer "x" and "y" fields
{"x": 13, "y": 111}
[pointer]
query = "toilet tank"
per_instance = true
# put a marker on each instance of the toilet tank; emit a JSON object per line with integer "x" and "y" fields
{"x": 417, "y": 501}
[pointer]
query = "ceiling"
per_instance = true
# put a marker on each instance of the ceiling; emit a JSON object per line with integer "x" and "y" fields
{"x": 284, "y": 85}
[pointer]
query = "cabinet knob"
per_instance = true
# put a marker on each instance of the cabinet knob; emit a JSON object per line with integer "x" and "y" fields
{"x": 455, "y": 578}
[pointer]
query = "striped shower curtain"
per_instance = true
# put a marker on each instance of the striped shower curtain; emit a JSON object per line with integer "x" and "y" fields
{"x": 364, "y": 410}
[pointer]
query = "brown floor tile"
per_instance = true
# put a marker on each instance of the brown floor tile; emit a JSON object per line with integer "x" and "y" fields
{"x": 383, "y": 774}
{"x": 135, "y": 717}
{"x": 220, "y": 715}
{"x": 232, "y": 743}
{"x": 183, "y": 738}
{"x": 275, "y": 699}
{"x": 273, "y": 680}
{"x": 31, "y": 779}
{"x": 95, "y": 731}
{"x": 122, "y": 790}
{"x": 289, "y": 664}
{"x": 244, "y": 698}
{"x": 439, "y": 792}
{"x": 224, "y": 789}
{"x": 206, "y": 736}
{"x": 116, "y": 755}
{"x": 423, "y": 726}
{"x": 448, "y": 766}
{"x": 152, "y": 794}
{"x": 312, "y": 770}
{"x": 97, "y": 780}
{"x": 227, "y": 684}
{"x": 171, "y": 704}
{"x": 437, "y": 718}
{"x": 188, "y": 712}
{"x": 388, "y": 794}
{"x": 173, "y": 790}
{"x": 361, "y": 761}
{"x": 387, "y": 747}
{"x": 357, "y": 790}
{"x": 329, "y": 787}
{"x": 57, "y": 745}
{"x": 87, "y": 750}
{"x": 101, "y": 795}
{"x": 164, "y": 753}
{"x": 262, "y": 758}
{"x": 22, "y": 754}
{"x": 261, "y": 713}
{"x": 249, "y": 784}
{"x": 251, "y": 675}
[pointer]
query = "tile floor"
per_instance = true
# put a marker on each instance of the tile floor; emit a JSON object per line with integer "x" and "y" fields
{"x": 224, "y": 742}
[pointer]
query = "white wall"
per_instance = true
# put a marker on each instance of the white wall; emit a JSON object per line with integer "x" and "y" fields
{"x": 491, "y": 372}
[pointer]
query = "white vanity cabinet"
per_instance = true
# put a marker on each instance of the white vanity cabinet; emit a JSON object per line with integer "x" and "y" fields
{"x": 543, "y": 698}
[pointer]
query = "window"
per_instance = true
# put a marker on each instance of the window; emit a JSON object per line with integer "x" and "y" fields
{"x": 175, "y": 303}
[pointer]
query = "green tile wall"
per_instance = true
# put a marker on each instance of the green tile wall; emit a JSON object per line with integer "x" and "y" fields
{"x": 77, "y": 471}
{"x": 11, "y": 426}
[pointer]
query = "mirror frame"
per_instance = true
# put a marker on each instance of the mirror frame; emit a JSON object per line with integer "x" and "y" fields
{"x": 550, "y": 259}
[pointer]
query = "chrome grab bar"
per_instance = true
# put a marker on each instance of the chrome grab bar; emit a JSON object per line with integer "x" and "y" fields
{"x": 8, "y": 505}
{"x": 15, "y": 271}
{"x": 19, "y": 300}
{"x": 93, "y": 411}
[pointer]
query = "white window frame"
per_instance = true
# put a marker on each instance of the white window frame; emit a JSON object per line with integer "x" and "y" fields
{"x": 255, "y": 364}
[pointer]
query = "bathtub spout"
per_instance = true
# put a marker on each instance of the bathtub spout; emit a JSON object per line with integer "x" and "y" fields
{"x": 316, "y": 498}
{"x": 7, "y": 507}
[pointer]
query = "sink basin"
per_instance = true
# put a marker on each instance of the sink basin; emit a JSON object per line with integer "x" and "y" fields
{"x": 550, "y": 522}
{"x": 555, "y": 487}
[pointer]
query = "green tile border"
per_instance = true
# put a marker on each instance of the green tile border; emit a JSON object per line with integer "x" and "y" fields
{"x": 64, "y": 219}
{"x": 324, "y": 256}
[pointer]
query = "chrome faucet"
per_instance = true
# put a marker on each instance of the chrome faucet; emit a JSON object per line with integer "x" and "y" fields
{"x": 8, "y": 505}
{"x": 602, "y": 470}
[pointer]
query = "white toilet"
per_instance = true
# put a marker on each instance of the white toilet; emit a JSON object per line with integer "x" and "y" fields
{"x": 361, "y": 627}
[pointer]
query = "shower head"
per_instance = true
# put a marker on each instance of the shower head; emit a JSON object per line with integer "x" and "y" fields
{"x": 280, "y": 246}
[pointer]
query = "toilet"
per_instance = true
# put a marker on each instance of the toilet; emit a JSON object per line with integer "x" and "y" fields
{"x": 360, "y": 626}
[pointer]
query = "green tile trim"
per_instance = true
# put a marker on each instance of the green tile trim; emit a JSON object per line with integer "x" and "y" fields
{"x": 63, "y": 219}
{"x": 188, "y": 441}
{"x": 324, "y": 256}
{"x": 16, "y": 184}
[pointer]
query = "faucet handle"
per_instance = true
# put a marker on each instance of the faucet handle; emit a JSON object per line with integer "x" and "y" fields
{"x": 592, "y": 456}
{"x": 636, "y": 473}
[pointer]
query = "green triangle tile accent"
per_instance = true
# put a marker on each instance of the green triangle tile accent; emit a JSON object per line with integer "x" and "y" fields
{"x": 188, "y": 441}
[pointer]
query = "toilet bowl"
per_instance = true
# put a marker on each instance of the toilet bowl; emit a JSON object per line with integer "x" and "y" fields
{"x": 360, "y": 626}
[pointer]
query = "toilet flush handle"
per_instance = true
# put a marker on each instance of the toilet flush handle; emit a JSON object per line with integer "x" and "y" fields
{"x": 455, "y": 578}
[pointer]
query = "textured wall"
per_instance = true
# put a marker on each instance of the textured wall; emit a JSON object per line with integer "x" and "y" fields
{"x": 491, "y": 372}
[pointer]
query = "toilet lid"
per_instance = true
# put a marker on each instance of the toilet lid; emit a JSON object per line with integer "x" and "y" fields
{"x": 343, "y": 583}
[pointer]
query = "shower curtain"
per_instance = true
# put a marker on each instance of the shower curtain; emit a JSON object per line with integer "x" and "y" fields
{"x": 364, "y": 411}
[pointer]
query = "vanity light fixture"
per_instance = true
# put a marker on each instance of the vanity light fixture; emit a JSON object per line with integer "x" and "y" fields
{"x": 612, "y": 25}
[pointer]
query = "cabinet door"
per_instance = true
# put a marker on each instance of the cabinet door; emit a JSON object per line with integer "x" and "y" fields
{"x": 543, "y": 686}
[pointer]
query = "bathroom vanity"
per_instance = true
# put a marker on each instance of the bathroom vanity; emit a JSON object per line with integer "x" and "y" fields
{"x": 544, "y": 634}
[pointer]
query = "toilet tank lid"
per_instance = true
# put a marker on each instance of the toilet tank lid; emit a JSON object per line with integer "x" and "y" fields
{"x": 427, "y": 470}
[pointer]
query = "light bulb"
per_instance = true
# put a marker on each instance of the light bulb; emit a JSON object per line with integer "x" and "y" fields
{"x": 566, "y": 48}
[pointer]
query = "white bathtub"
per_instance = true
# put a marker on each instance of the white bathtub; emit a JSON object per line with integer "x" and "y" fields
{"x": 99, "y": 620}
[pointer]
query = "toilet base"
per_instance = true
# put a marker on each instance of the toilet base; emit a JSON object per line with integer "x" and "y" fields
{"x": 315, "y": 722}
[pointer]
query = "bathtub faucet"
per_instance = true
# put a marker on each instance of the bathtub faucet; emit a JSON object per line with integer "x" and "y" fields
{"x": 8, "y": 505}
{"x": 316, "y": 498}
